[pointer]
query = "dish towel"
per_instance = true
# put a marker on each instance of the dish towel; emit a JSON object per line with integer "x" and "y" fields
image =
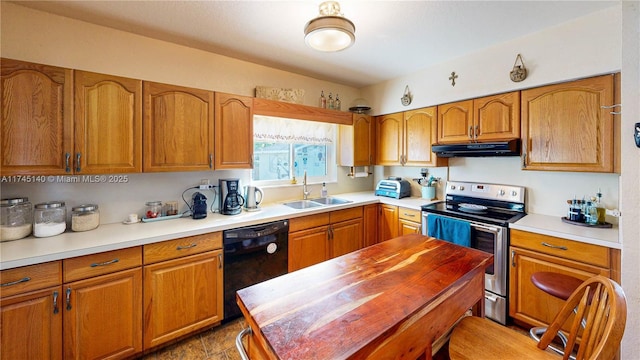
{"x": 448, "y": 229}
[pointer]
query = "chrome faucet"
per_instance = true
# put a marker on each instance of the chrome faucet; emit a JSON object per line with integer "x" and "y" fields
{"x": 305, "y": 193}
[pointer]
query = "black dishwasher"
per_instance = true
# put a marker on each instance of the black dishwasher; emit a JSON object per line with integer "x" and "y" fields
{"x": 252, "y": 254}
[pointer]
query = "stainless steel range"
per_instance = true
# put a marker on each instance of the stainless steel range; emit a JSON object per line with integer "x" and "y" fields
{"x": 488, "y": 208}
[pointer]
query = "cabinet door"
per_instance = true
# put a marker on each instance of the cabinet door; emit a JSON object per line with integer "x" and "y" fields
{"x": 308, "y": 247}
{"x": 389, "y": 129}
{"x": 37, "y": 119}
{"x": 529, "y": 304}
{"x": 408, "y": 227}
{"x": 388, "y": 222}
{"x": 181, "y": 296}
{"x": 565, "y": 128}
{"x": 455, "y": 122}
{"x": 233, "y": 132}
{"x": 31, "y": 325}
{"x": 497, "y": 117}
{"x": 103, "y": 316}
{"x": 363, "y": 140}
{"x": 178, "y": 128}
{"x": 345, "y": 237}
{"x": 370, "y": 225}
{"x": 108, "y": 124}
{"x": 419, "y": 133}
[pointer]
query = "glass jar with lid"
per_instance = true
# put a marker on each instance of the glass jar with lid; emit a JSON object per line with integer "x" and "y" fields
{"x": 154, "y": 209}
{"x": 16, "y": 218}
{"x": 85, "y": 217}
{"x": 49, "y": 218}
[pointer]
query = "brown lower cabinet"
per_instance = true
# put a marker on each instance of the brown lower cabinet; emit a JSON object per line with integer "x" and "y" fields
{"x": 319, "y": 237}
{"x": 395, "y": 221}
{"x": 183, "y": 289}
{"x": 530, "y": 253}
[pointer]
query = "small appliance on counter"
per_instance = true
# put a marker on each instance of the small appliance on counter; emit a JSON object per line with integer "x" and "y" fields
{"x": 393, "y": 187}
{"x": 198, "y": 206}
{"x": 230, "y": 199}
{"x": 251, "y": 198}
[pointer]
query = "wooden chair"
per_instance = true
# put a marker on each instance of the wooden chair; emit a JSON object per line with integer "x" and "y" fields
{"x": 599, "y": 300}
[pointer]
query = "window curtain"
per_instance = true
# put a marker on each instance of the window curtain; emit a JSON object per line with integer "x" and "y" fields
{"x": 282, "y": 130}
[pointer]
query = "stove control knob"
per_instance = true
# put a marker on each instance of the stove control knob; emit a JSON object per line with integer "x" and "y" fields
{"x": 453, "y": 187}
{"x": 514, "y": 193}
{"x": 501, "y": 192}
{"x": 461, "y": 188}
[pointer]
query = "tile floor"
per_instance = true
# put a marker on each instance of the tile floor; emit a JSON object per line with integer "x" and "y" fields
{"x": 214, "y": 344}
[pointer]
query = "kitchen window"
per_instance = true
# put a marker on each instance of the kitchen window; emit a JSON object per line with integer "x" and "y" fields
{"x": 285, "y": 148}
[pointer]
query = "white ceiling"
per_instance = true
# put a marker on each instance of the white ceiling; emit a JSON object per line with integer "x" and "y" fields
{"x": 393, "y": 38}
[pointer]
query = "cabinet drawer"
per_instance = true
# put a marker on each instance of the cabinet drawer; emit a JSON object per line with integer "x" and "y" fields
{"x": 564, "y": 248}
{"x": 308, "y": 222}
{"x": 346, "y": 214}
{"x": 30, "y": 278}
{"x": 409, "y": 214}
{"x": 103, "y": 263}
{"x": 181, "y": 247}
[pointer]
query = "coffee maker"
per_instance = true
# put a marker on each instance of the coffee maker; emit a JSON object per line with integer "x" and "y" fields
{"x": 230, "y": 199}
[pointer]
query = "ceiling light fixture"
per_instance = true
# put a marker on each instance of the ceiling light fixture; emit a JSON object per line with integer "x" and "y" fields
{"x": 330, "y": 31}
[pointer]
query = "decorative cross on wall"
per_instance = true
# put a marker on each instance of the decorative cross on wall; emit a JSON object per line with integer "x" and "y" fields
{"x": 453, "y": 78}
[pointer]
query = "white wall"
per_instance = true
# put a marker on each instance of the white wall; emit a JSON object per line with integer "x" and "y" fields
{"x": 40, "y": 37}
{"x": 581, "y": 48}
{"x": 630, "y": 179}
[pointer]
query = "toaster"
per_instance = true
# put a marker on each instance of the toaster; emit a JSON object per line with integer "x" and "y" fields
{"x": 393, "y": 187}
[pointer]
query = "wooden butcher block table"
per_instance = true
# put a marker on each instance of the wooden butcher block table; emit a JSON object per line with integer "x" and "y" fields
{"x": 390, "y": 300}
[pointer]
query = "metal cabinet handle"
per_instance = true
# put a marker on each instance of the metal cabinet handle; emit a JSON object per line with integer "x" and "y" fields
{"x": 554, "y": 246}
{"x": 192, "y": 245}
{"x": 24, "y": 279}
{"x": 55, "y": 302}
{"x": 409, "y": 215}
{"x": 210, "y": 161}
{"x": 524, "y": 156}
{"x": 105, "y": 263}
{"x": 68, "y": 299}
{"x": 477, "y": 131}
{"x": 220, "y": 261}
{"x": 471, "y": 132}
{"x": 239, "y": 346}
{"x": 513, "y": 258}
{"x": 67, "y": 157}
{"x": 78, "y": 168}
{"x": 611, "y": 107}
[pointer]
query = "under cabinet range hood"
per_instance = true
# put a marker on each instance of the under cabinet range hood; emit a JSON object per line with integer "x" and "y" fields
{"x": 495, "y": 148}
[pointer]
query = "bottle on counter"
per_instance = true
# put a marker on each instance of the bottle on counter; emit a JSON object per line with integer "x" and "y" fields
{"x": 85, "y": 217}
{"x": 323, "y": 100}
{"x": 49, "y": 219}
{"x": 337, "y": 104}
{"x": 602, "y": 211}
{"x": 330, "y": 103}
{"x": 16, "y": 218}
{"x": 323, "y": 192}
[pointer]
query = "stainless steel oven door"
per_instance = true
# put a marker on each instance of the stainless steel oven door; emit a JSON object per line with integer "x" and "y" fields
{"x": 493, "y": 240}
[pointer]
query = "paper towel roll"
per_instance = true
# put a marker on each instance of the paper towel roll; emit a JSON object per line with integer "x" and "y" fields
{"x": 361, "y": 174}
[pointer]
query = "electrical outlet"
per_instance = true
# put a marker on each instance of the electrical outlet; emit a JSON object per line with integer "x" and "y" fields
{"x": 204, "y": 182}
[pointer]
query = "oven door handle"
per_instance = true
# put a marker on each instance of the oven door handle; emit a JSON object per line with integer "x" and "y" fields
{"x": 488, "y": 228}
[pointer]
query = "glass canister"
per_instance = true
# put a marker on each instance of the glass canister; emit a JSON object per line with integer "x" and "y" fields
{"x": 16, "y": 219}
{"x": 85, "y": 217}
{"x": 49, "y": 218}
{"x": 154, "y": 209}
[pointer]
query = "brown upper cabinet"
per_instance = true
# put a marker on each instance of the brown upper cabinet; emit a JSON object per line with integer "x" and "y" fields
{"x": 108, "y": 124}
{"x": 405, "y": 138}
{"x": 233, "y": 131}
{"x": 357, "y": 142}
{"x": 490, "y": 118}
{"x": 178, "y": 128}
{"x": 43, "y": 133}
{"x": 37, "y": 119}
{"x": 566, "y": 128}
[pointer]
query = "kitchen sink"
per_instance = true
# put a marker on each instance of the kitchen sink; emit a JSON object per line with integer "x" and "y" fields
{"x": 330, "y": 201}
{"x": 302, "y": 204}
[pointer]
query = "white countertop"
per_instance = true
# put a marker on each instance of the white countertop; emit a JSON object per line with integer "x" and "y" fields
{"x": 107, "y": 237}
{"x": 553, "y": 226}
